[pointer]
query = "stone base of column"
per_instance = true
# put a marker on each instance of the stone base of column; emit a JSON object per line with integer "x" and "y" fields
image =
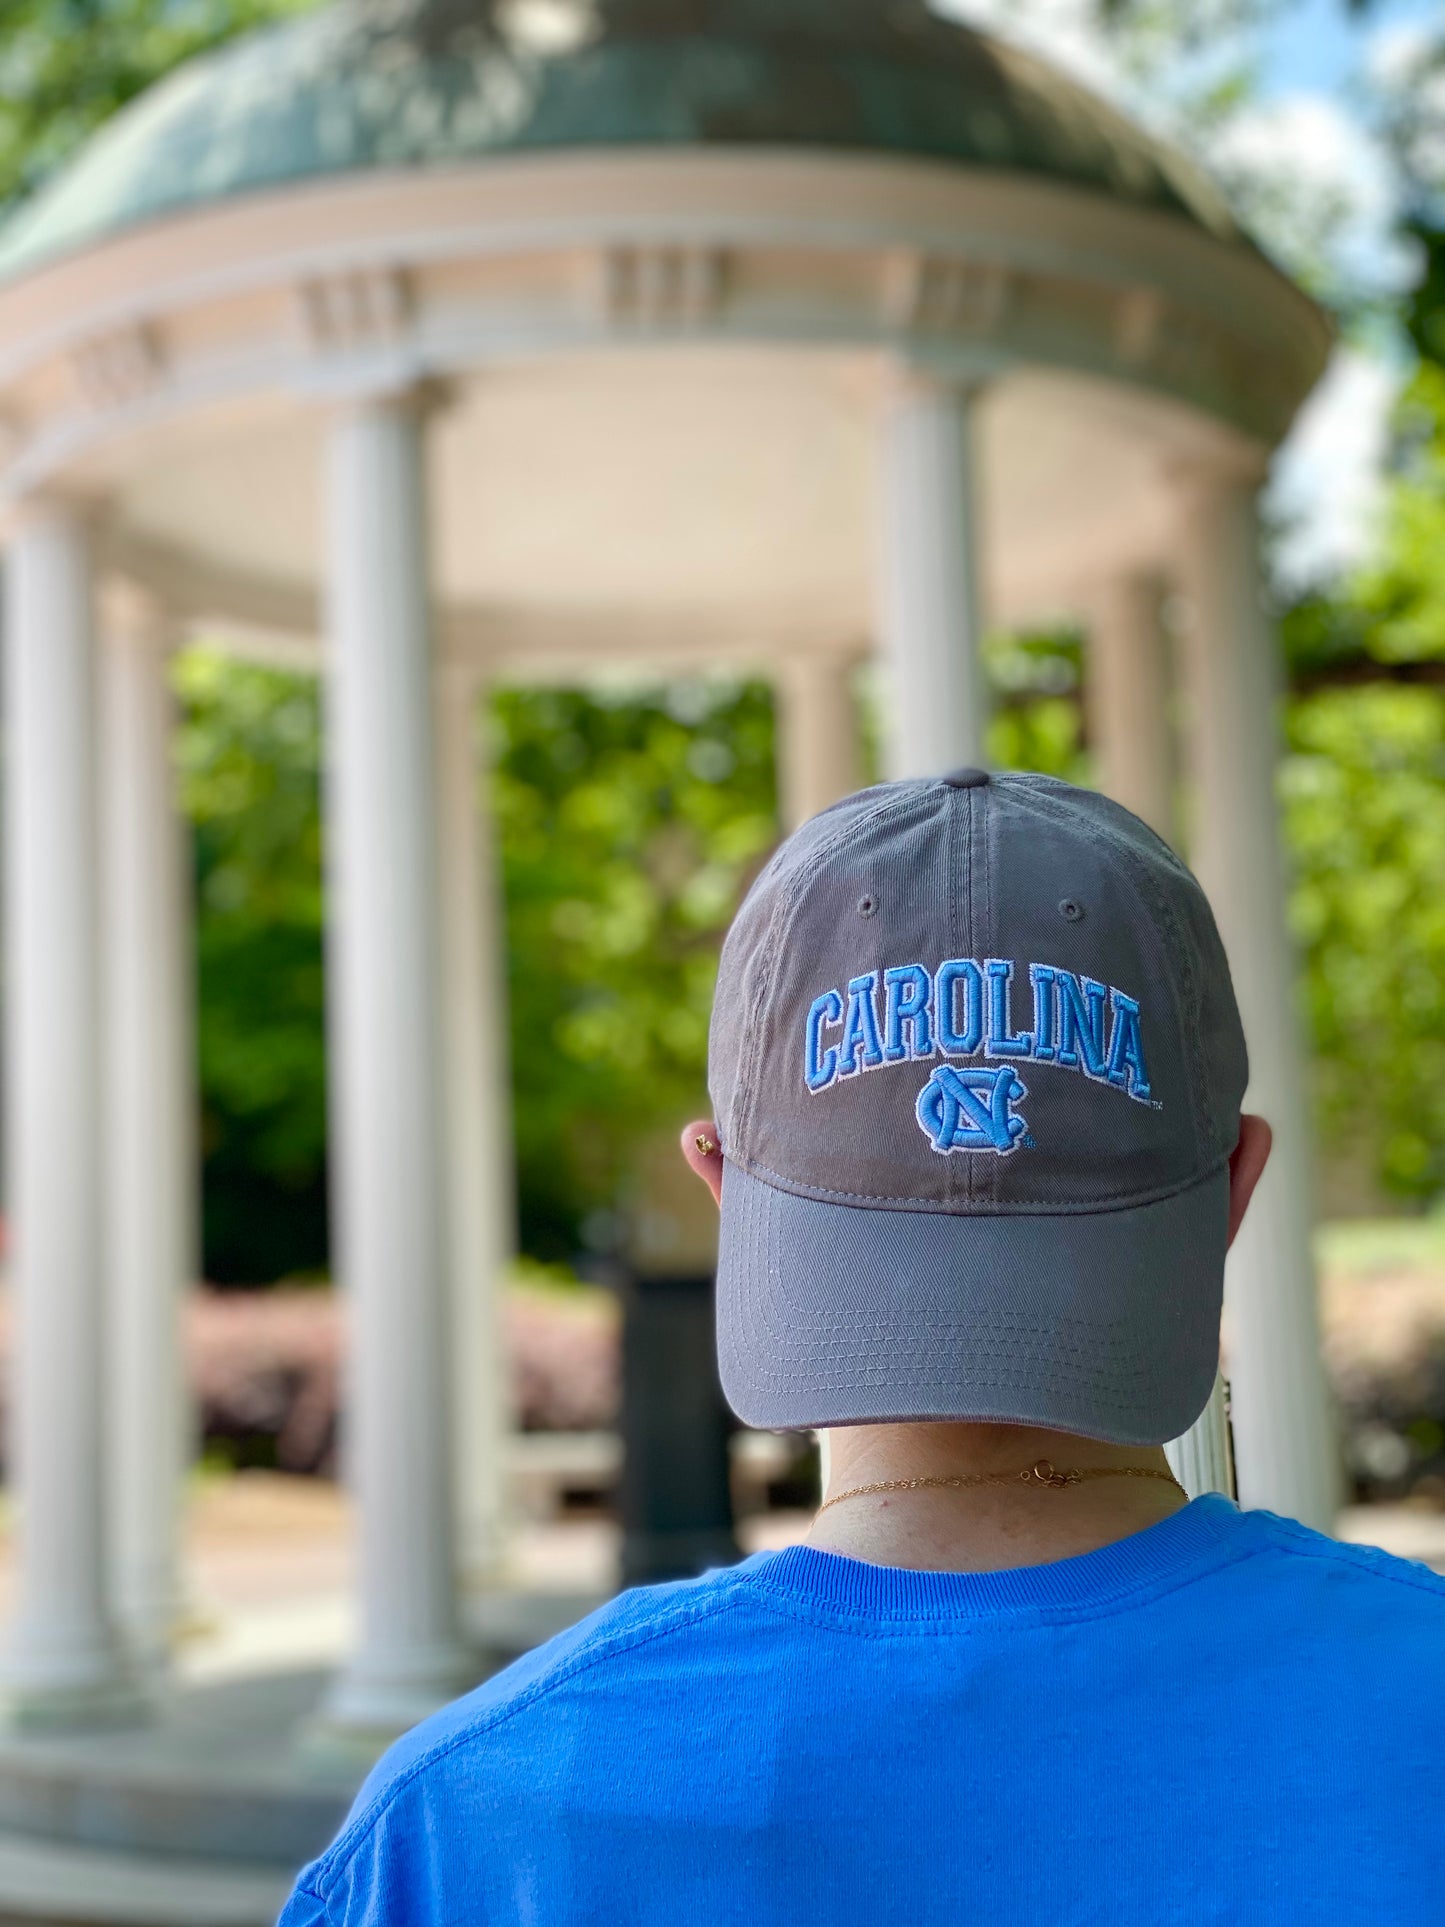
{"x": 481, "y": 1551}
{"x": 372, "y": 1702}
{"x": 151, "y": 1631}
{"x": 70, "y": 1692}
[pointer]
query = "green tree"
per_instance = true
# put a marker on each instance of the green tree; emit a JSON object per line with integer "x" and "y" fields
{"x": 1364, "y": 790}
{"x": 249, "y": 756}
{"x": 1364, "y": 797}
{"x": 1364, "y": 780}
{"x": 1036, "y": 682}
{"x": 629, "y": 822}
{"x": 629, "y": 825}
{"x": 67, "y": 65}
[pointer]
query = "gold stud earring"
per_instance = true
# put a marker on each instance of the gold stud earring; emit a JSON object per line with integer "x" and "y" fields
{"x": 704, "y": 1144}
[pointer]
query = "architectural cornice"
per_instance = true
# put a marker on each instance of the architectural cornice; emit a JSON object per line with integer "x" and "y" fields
{"x": 389, "y": 280}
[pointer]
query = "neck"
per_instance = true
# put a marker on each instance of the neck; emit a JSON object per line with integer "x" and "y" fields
{"x": 982, "y": 1528}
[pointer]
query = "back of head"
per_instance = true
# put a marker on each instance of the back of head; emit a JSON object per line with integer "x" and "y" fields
{"x": 977, "y": 1068}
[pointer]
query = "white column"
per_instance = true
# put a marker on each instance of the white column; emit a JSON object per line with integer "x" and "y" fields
{"x": 64, "y": 1664}
{"x": 1128, "y": 699}
{"x": 1284, "y": 1437}
{"x": 929, "y": 601}
{"x": 816, "y": 735}
{"x": 151, "y": 1173}
{"x": 1201, "y": 1459}
{"x": 388, "y": 1098}
{"x": 480, "y": 1183}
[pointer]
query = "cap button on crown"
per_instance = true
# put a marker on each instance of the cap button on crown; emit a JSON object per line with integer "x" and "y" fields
{"x": 966, "y": 778}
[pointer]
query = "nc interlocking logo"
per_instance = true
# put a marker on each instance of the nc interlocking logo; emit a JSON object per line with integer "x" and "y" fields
{"x": 972, "y": 1110}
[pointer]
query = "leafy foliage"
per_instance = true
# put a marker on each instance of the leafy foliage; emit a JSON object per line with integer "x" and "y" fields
{"x": 67, "y": 65}
{"x": 629, "y": 825}
{"x": 1401, "y": 596}
{"x": 249, "y": 753}
{"x": 1424, "y": 314}
{"x": 1036, "y": 681}
{"x": 1364, "y": 799}
{"x": 630, "y": 821}
{"x": 1364, "y": 783}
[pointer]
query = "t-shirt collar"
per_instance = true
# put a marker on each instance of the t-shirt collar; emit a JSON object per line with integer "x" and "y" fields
{"x": 1207, "y": 1525}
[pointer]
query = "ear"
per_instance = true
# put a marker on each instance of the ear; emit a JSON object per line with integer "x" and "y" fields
{"x": 708, "y": 1164}
{"x": 1246, "y": 1166}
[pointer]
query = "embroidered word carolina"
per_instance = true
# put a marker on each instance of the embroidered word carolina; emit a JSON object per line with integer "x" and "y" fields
{"x": 967, "y": 1007}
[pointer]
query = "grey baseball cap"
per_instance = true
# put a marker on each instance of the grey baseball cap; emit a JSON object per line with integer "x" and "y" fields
{"x": 977, "y": 1068}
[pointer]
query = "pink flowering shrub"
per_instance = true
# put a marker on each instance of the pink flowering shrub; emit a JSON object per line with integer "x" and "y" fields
{"x": 564, "y": 1353}
{"x": 266, "y": 1370}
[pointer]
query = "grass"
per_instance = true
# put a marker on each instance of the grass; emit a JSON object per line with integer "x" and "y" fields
{"x": 1360, "y": 1248}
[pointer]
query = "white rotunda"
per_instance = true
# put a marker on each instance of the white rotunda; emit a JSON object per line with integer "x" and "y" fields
{"x": 440, "y": 341}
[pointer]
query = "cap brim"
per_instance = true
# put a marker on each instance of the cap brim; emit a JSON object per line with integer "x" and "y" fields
{"x": 1104, "y": 1323}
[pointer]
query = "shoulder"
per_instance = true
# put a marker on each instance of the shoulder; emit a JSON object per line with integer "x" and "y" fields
{"x": 485, "y": 1749}
{"x": 1363, "y": 1568}
{"x": 1352, "y": 1593}
{"x": 603, "y": 1640}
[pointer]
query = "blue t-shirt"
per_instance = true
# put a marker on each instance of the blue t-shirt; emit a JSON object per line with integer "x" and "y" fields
{"x": 1225, "y": 1718}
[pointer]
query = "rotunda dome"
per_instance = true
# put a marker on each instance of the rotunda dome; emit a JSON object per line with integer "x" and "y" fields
{"x": 388, "y": 84}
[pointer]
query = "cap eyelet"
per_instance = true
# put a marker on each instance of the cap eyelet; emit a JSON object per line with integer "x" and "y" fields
{"x": 1070, "y": 909}
{"x": 867, "y": 906}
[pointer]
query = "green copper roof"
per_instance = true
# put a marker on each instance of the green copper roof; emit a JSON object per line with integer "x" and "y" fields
{"x": 401, "y": 83}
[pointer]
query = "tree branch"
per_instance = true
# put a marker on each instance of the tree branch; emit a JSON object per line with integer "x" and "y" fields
{"x": 1360, "y": 670}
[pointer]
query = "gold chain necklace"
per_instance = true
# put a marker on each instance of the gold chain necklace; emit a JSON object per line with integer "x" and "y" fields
{"x": 1041, "y": 1472}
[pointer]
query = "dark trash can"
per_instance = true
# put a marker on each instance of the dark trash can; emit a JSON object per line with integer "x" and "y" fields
{"x": 676, "y": 1500}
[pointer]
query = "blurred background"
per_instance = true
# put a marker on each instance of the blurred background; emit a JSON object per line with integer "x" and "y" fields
{"x": 630, "y": 808}
{"x": 631, "y": 816}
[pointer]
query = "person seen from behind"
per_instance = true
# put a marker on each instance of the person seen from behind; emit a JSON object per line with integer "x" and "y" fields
{"x": 978, "y": 1148}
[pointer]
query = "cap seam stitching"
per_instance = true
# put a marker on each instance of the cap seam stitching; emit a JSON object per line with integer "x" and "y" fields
{"x": 823, "y": 1194}
{"x": 1130, "y": 1385}
{"x": 988, "y": 829}
{"x": 779, "y": 928}
{"x": 1180, "y": 951}
{"x": 959, "y": 1188}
